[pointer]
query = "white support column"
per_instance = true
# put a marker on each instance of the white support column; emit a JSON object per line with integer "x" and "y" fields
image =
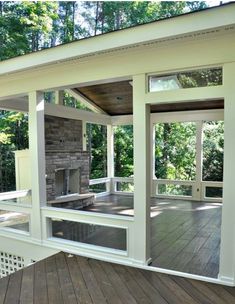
{"x": 142, "y": 172}
{"x": 37, "y": 159}
{"x": 59, "y": 98}
{"x": 227, "y": 248}
{"x": 199, "y": 157}
{"x": 152, "y": 157}
{"x": 84, "y": 136}
{"x": 110, "y": 154}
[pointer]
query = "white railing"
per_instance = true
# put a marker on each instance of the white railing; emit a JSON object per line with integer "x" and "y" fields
{"x": 17, "y": 208}
{"x": 123, "y": 180}
{"x": 98, "y": 181}
{"x": 113, "y": 188}
{"x": 158, "y": 182}
{"x": 90, "y": 218}
{"x": 18, "y": 195}
{"x": 209, "y": 184}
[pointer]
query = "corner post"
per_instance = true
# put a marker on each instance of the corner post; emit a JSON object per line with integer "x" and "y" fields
{"x": 142, "y": 172}
{"x": 227, "y": 247}
{"x": 197, "y": 194}
{"x": 110, "y": 155}
{"x": 37, "y": 160}
{"x": 59, "y": 98}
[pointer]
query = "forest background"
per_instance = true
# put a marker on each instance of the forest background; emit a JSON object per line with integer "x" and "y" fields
{"x": 29, "y": 26}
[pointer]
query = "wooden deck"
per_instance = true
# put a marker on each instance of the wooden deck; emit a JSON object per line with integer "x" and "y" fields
{"x": 185, "y": 235}
{"x": 63, "y": 278}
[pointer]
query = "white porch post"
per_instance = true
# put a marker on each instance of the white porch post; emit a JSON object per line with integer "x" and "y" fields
{"x": 142, "y": 173}
{"x": 84, "y": 136}
{"x": 227, "y": 249}
{"x": 110, "y": 155}
{"x": 152, "y": 157}
{"x": 37, "y": 159}
{"x": 197, "y": 194}
{"x": 59, "y": 97}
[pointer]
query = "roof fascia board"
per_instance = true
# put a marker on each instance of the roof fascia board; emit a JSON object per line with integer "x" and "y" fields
{"x": 163, "y": 29}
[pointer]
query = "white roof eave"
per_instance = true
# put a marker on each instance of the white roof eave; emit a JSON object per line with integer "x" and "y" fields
{"x": 217, "y": 17}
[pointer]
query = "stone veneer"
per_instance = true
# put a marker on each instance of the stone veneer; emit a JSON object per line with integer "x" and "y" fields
{"x": 63, "y": 146}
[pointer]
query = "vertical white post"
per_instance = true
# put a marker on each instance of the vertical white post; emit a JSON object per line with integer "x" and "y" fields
{"x": 197, "y": 194}
{"x": 59, "y": 97}
{"x": 37, "y": 159}
{"x": 152, "y": 157}
{"x": 84, "y": 136}
{"x": 142, "y": 173}
{"x": 227, "y": 248}
{"x": 110, "y": 156}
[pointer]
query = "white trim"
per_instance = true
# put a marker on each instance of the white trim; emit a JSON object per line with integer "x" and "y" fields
{"x": 71, "y": 113}
{"x": 59, "y": 97}
{"x": 14, "y": 194}
{"x": 85, "y": 101}
{"x": 185, "y": 95}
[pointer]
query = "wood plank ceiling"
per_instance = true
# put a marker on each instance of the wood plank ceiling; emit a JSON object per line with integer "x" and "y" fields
{"x": 116, "y": 99}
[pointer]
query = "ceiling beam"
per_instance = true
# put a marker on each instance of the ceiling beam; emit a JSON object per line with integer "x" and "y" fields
{"x": 85, "y": 101}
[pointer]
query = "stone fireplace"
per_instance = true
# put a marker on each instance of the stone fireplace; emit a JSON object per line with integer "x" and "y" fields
{"x": 67, "y": 165}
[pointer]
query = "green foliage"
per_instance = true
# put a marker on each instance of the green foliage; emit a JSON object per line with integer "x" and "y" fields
{"x": 213, "y": 151}
{"x": 175, "y": 151}
{"x": 123, "y": 151}
{"x": 70, "y": 101}
{"x": 114, "y": 15}
{"x": 13, "y": 136}
{"x": 25, "y": 26}
{"x": 97, "y": 145}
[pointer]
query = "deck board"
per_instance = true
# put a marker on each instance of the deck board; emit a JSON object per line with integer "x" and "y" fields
{"x": 185, "y": 235}
{"x": 40, "y": 283}
{"x": 66, "y": 279}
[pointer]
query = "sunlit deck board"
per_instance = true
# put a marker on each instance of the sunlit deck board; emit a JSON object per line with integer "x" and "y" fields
{"x": 64, "y": 278}
{"x": 185, "y": 235}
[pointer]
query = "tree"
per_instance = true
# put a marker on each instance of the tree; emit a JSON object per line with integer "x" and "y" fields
{"x": 13, "y": 136}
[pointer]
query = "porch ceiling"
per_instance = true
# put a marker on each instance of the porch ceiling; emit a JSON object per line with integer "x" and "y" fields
{"x": 116, "y": 99}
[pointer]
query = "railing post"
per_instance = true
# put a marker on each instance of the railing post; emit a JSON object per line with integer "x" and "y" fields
{"x": 37, "y": 160}
{"x": 110, "y": 156}
{"x": 197, "y": 191}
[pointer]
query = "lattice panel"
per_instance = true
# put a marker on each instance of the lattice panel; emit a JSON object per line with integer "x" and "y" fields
{"x": 10, "y": 263}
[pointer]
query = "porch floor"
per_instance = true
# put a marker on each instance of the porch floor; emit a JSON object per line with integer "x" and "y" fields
{"x": 185, "y": 235}
{"x": 66, "y": 279}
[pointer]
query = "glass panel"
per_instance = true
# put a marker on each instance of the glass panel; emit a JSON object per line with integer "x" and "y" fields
{"x": 175, "y": 151}
{"x": 214, "y": 192}
{"x": 125, "y": 186}
{"x": 97, "y": 146}
{"x": 123, "y": 151}
{"x": 167, "y": 189}
{"x": 110, "y": 237}
{"x": 213, "y": 151}
{"x": 14, "y": 220}
{"x": 98, "y": 188}
{"x": 183, "y": 80}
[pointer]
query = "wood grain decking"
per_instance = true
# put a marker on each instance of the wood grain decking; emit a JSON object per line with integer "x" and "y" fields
{"x": 63, "y": 278}
{"x": 185, "y": 235}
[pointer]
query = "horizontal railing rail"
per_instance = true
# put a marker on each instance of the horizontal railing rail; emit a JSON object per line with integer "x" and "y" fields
{"x": 14, "y": 194}
{"x": 87, "y": 219}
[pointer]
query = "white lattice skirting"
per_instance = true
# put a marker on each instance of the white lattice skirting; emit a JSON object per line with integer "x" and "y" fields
{"x": 10, "y": 263}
